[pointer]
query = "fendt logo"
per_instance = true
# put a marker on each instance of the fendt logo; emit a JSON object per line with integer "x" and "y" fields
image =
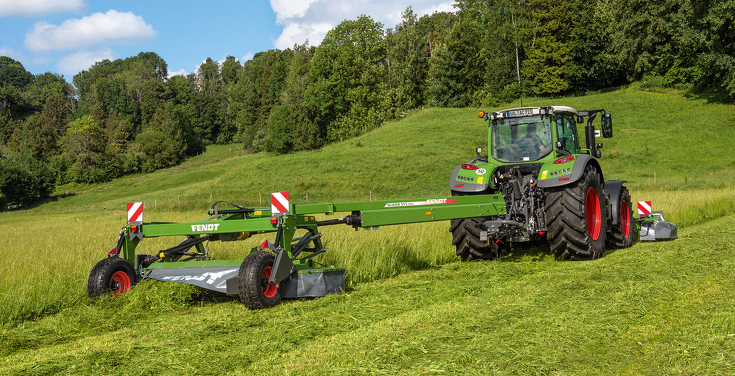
{"x": 211, "y": 275}
{"x": 201, "y": 228}
{"x": 437, "y": 201}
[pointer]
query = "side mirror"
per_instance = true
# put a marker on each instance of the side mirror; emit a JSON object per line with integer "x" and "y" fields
{"x": 606, "y": 125}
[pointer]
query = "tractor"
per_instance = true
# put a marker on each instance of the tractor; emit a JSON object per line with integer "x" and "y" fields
{"x": 537, "y": 184}
{"x": 553, "y": 187}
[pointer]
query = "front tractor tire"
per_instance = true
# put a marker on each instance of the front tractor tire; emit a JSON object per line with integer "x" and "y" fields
{"x": 255, "y": 291}
{"x": 466, "y": 238}
{"x": 576, "y": 218}
{"x": 113, "y": 275}
{"x": 623, "y": 234}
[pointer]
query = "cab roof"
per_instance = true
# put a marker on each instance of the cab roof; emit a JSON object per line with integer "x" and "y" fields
{"x": 529, "y": 111}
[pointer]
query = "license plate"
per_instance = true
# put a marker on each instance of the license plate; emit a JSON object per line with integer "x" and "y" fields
{"x": 517, "y": 113}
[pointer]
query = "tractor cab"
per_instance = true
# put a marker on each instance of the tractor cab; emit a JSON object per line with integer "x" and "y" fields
{"x": 528, "y": 134}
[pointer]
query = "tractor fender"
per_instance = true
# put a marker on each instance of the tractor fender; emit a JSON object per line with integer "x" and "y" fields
{"x": 462, "y": 186}
{"x": 612, "y": 190}
{"x": 580, "y": 164}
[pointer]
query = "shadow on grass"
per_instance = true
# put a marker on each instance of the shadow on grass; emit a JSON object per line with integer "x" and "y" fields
{"x": 39, "y": 202}
{"x": 538, "y": 251}
{"x": 708, "y": 94}
{"x": 531, "y": 251}
{"x": 204, "y": 296}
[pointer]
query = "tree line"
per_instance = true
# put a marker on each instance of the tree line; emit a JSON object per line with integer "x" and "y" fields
{"x": 128, "y": 116}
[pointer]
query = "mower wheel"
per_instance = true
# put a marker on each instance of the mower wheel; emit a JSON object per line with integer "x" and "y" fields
{"x": 113, "y": 275}
{"x": 576, "y": 218}
{"x": 255, "y": 291}
{"x": 624, "y": 233}
{"x": 466, "y": 238}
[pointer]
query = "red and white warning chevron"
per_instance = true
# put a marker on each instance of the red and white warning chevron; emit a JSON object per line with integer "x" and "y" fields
{"x": 135, "y": 212}
{"x": 279, "y": 203}
{"x": 644, "y": 208}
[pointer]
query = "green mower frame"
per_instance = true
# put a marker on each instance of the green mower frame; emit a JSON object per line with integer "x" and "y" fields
{"x": 284, "y": 268}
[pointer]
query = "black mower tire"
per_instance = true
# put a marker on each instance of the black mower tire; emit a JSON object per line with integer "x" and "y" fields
{"x": 576, "y": 218}
{"x": 113, "y": 275}
{"x": 466, "y": 239}
{"x": 252, "y": 279}
{"x": 624, "y": 233}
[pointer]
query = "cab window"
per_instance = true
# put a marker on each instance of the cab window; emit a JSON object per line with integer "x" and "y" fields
{"x": 566, "y": 129}
{"x": 522, "y": 139}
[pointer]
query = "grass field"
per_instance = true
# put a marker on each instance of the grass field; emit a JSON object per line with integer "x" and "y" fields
{"x": 411, "y": 307}
{"x": 656, "y": 308}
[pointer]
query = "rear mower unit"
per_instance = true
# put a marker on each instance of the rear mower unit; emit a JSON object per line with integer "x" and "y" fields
{"x": 272, "y": 271}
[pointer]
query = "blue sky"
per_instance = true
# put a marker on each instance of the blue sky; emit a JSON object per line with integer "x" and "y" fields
{"x": 67, "y": 36}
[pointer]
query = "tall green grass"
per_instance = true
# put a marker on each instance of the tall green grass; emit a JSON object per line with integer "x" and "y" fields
{"x": 50, "y": 259}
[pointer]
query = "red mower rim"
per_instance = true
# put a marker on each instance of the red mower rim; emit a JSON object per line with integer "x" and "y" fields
{"x": 269, "y": 290}
{"x": 593, "y": 214}
{"x": 119, "y": 283}
{"x": 625, "y": 220}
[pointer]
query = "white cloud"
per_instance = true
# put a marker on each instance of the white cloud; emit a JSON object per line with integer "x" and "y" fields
{"x": 75, "y": 63}
{"x": 13, "y": 54}
{"x": 443, "y": 7}
{"x": 34, "y": 8}
{"x": 180, "y": 72}
{"x": 286, "y": 9}
{"x": 297, "y": 33}
{"x": 248, "y": 56}
{"x": 112, "y": 27}
{"x": 312, "y": 19}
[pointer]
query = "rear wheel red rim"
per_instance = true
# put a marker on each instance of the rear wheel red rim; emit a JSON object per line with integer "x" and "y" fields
{"x": 625, "y": 220}
{"x": 119, "y": 283}
{"x": 269, "y": 290}
{"x": 593, "y": 214}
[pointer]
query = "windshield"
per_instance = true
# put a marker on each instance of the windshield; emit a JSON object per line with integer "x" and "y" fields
{"x": 521, "y": 139}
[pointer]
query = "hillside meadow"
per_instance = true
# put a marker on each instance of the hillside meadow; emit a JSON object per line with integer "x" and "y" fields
{"x": 411, "y": 306}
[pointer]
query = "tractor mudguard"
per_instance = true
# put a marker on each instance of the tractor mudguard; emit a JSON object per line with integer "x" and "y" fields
{"x": 612, "y": 189}
{"x": 580, "y": 163}
{"x": 456, "y": 185}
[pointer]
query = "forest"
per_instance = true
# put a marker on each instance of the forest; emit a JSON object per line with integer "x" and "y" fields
{"x": 129, "y": 116}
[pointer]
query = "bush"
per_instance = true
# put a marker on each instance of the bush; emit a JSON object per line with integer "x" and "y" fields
{"x": 16, "y": 185}
{"x": 163, "y": 150}
{"x": 24, "y": 182}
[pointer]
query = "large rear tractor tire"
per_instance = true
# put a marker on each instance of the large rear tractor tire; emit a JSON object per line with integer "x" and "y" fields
{"x": 255, "y": 291}
{"x": 113, "y": 275}
{"x": 576, "y": 218}
{"x": 466, "y": 238}
{"x": 623, "y": 234}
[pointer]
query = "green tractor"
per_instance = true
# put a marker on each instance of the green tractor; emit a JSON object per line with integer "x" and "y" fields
{"x": 553, "y": 187}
